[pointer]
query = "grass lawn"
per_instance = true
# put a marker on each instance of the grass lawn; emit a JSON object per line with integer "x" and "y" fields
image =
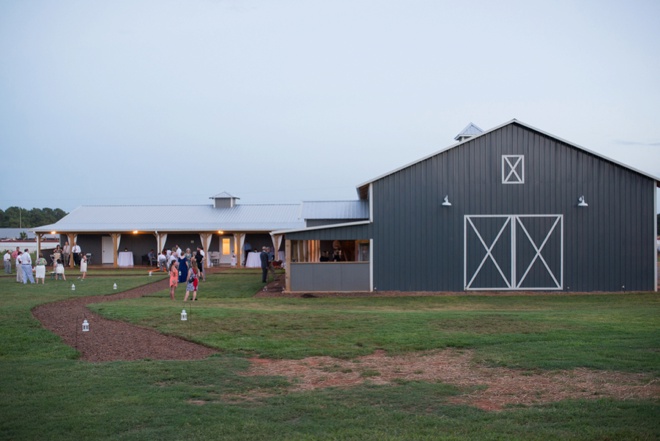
{"x": 46, "y": 393}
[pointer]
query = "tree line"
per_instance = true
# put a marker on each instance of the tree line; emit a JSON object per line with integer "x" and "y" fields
{"x": 16, "y": 217}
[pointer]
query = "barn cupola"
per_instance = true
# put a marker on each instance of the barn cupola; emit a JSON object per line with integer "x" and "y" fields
{"x": 468, "y": 132}
{"x": 224, "y": 200}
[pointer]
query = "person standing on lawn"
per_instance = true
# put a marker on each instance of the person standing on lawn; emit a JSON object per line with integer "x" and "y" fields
{"x": 174, "y": 278}
{"x": 6, "y": 259}
{"x": 76, "y": 251}
{"x": 263, "y": 257}
{"x": 19, "y": 269}
{"x": 200, "y": 262}
{"x": 83, "y": 267}
{"x": 26, "y": 263}
{"x": 59, "y": 270}
{"x": 183, "y": 268}
{"x": 66, "y": 252}
{"x": 193, "y": 282}
{"x": 40, "y": 269}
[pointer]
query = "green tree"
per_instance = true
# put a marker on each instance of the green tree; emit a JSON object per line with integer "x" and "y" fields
{"x": 16, "y": 217}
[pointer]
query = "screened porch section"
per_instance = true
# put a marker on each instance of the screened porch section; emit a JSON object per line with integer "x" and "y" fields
{"x": 328, "y": 265}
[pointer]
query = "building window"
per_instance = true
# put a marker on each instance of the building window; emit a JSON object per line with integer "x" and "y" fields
{"x": 513, "y": 169}
{"x": 226, "y": 246}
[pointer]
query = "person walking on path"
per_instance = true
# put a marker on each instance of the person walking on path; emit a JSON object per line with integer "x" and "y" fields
{"x": 40, "y": 270}
{"x": 26, "y": 263}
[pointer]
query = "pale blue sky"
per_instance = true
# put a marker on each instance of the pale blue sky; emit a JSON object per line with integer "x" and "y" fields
{"x": 149, "y": 102}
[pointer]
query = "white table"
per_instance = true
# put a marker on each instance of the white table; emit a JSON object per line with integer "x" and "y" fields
{"x": 125, "y": 258}
{"x": 253, "y": 260}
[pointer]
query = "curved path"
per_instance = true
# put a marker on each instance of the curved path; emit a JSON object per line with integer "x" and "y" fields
{"x": 110, "y": 340}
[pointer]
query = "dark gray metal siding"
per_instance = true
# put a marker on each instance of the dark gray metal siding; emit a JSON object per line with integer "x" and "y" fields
{"x": 419, "y": 244}
{"x": 329, "y": 276}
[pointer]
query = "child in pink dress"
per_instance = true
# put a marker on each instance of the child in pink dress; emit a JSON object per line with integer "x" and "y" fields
{"x": 174, "y": 278}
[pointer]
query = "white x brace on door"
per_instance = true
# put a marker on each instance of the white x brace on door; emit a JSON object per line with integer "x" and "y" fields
{"x": 513, "y": 252}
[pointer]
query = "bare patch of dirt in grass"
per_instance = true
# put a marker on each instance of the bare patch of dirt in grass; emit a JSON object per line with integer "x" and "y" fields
{"x": 489, "y": 388}
{"x": 493, "y": 388}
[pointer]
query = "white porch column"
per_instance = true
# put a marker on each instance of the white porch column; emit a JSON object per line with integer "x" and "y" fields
{"x": 116, "y": 238}
{"x": 206, "y": 239}
{"x": 161, "y": 238}
{"x": 239, "y": 241}
{"x": 277, "y": 242}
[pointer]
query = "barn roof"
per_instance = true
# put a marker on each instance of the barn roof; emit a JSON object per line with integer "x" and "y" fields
{"x": 363, "y": 188}
{"x": 335, "y": 210}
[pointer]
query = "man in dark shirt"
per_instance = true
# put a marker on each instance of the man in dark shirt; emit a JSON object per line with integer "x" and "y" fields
{"x": 263, "y": 256}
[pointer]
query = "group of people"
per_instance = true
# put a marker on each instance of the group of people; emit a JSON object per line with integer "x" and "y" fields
{"x": 26, "y": 272}
{"x": 61, "y": 256}
{"x": 184, "y": 267}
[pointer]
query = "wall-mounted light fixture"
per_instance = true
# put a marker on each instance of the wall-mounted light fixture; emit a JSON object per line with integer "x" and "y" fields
{"x": 581, "y": 202}
{"x": 446, "y": 202}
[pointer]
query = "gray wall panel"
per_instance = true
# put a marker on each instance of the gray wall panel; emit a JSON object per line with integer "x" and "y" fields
{"x": 328, "y": 277}
{"x": 418, "y": 244}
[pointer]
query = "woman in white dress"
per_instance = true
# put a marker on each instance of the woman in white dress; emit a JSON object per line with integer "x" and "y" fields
{"x": 83, "y": 267}
{"x": 40, "y": 270}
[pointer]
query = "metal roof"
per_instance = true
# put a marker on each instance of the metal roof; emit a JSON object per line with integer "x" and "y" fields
{"x": 223, "y": 195}
{"x": 469, "y": 130}
{"x": 169, "y": 218}
{"x": 362, "y": 188}
{"x": 335, "y": 210}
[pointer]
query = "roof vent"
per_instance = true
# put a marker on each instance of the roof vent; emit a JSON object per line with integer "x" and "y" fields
{"x": 224, "y": 200}
{"x": 468, "y": 132}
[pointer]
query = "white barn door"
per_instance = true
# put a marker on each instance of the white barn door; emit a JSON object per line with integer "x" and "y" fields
{"x": 513, "y": 252}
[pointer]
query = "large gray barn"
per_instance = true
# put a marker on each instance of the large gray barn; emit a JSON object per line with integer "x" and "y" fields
{"x": 512, "y": 208}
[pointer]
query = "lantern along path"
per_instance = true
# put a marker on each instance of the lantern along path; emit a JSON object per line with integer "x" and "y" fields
{"x": 110, "y": 340}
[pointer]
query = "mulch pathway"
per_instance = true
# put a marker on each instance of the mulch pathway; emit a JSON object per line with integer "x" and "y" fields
{"x": 111, "y": 340}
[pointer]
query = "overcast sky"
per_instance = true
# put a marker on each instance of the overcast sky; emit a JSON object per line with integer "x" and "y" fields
{"x": 152, "y": 102}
